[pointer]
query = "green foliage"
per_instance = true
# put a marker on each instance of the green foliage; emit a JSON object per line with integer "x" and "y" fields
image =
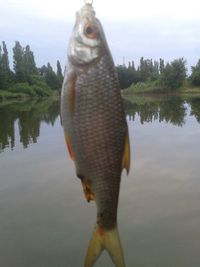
{"x": 41, "y": 91}
{"x": 59, "y": 69}
{"x": 18, "y": 54}
{"x": 50, "y": 77}
{"x": 161, "y": 65}
{"x": 59, "y": 75}
{"x": 8, "y": 95}
{"x": 27, "y": 78}
{"x": 5, "y": 73}
{"x": 195, "y": 76}
{"x": 29, "y": 62}
{"x": 144, "y": 87}
{"x": 31, "y": 90}
{"x": 24, "y": 62}
{"x": 23, "y": 88}
{"x": 150, "y": 76}
{"x": 39, "y": 86}
{"x": 148, "y": 70}
{"x": 173, "y": 74}
{"x": 126, "y": 76}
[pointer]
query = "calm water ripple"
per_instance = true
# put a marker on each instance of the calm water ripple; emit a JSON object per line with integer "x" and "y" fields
{"x": 44, "y": 219}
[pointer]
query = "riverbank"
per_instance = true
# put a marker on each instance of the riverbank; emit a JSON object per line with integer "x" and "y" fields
{"x": 7, "y": 95}
{"x": 155, "y": 88}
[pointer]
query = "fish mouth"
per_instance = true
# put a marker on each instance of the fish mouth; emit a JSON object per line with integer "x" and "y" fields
{"x": 87, "y": 28}
{"x": 86, "y": 43}
{"x": 87, "y": 11}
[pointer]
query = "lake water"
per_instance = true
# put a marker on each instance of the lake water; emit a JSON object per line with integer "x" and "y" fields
{"x": 44, "y": 218}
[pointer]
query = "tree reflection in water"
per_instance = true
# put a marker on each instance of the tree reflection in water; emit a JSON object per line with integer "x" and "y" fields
{"x": 168, "y": 109}
{"x": 25, "y": 118}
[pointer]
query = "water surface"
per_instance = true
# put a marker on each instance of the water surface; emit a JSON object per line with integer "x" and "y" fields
{"x": 44, "y": 218}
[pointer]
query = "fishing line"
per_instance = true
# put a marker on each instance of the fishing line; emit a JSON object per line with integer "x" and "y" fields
{"x": 88, "y": 2}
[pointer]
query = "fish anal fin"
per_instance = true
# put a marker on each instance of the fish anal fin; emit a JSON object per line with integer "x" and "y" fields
{"x": 87, "y": 191}
{"x": 107, "y": 239}
{"x": 67, "y": 141}
{"x": 126, "y": 154}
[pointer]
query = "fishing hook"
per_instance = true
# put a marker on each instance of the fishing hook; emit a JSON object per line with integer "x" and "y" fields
{"x": 88, "y": 2}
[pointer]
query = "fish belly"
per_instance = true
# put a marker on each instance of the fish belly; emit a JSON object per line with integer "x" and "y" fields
{"x": 97, "y": 132}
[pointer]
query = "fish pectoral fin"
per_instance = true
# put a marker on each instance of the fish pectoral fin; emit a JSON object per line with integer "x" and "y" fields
{"x": 126, "y": 154}
{"x": 67, "y": 141}
{"x": 87, "y": 191}
{"x": 108, "y": 240}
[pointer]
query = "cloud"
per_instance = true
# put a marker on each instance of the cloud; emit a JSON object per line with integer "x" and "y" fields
{"x": 152, "y": 29}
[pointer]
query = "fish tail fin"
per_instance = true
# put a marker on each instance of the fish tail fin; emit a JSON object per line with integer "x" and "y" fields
{"x": 108, "y": 240}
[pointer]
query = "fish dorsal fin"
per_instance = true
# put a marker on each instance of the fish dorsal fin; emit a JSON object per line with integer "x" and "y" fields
{"x": 126, "y": 154}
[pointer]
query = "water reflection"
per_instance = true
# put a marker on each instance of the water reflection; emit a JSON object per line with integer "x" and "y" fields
{"x": 24, "y": 119}
{"x": 169, "y": 109}
{"x": 195, "y": 108}
{"x": 42, "y": 203}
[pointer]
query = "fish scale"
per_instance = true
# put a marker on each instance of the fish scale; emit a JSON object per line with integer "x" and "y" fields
{"x": 98, "y": 127}
{"x": 95, "y": 129}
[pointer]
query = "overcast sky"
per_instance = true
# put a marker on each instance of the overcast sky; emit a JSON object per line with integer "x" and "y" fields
{"x": 150, "y": 28}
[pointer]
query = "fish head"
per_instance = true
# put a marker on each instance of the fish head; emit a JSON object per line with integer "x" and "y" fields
{"x": 88, "y": 39}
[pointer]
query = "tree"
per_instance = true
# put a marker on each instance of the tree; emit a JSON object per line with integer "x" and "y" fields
{"x": 18, "y": 63}
{"x": 126, "y": 76}
{"x": 195, "y": 76}
{"x": 5, "y": 73}
{"x": 59, "y": 69}
{"x": 174, "y": 74}
{"x": 162, "y": 65}
{"x": 155, "y": 71}
{"x": 29, "y": 61}
{"x": 59, "y": 74}
{"x": 51, "y": 78}
{"x": 148, "y": 70}
{"x": 24, "y": 62}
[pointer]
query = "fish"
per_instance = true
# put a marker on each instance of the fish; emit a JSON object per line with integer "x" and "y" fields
{"x": 95, "y": 129}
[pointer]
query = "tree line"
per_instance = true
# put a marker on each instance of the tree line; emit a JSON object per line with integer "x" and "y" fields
{"x": 170, "y": 75}
{"x": 26, "y": 77}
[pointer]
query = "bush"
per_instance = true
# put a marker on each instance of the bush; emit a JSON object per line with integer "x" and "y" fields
{"x": 143, "y": 87}
{"x": 37, "y": 88}
{"x": 8, "y": 95}
{"x": 23, "y": 88}
{"x": 41, "y": 91}
{"x": 195, "y": 76}
{"x": 173, "y": 74}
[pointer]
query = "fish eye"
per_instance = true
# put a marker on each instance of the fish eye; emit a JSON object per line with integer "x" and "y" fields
{"x": 90, "y": 31}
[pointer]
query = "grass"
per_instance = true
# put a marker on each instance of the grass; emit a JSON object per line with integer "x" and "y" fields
{"x": 8, "y": 95}
{"x": 143, "y": 87}
{"x": 190, "y": 89}
{"x": 25, "y": 91}
{"x": 153, "y": 87}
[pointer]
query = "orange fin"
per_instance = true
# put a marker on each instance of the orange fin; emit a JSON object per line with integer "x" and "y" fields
{"x": 86, "y": 189}
{"x": 71, "y": 93}
{"x": 126, "y": 154}
{"x": 69, "y": 147}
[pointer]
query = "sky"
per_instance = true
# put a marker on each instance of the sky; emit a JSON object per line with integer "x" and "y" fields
{"x": 152, "y": 29}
